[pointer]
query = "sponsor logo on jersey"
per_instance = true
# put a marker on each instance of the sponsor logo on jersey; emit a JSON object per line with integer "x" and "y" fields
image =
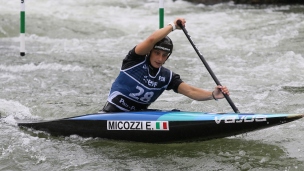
{"x": 125, "y": 104}
{"x": 138, "y": 125}
{"x": 162, "y": 79}
{"x": 150, "y": 82}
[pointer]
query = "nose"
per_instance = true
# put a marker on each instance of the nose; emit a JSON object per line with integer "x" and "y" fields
{"x": 159, "y": 57}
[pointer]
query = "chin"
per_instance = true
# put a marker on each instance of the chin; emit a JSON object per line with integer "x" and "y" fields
{"x": 156, "y": 66}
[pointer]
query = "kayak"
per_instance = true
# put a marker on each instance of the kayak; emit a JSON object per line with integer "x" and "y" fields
{"x": 157, "y": 126}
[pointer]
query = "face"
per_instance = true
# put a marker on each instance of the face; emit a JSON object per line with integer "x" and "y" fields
{"x": 158, "y": 57}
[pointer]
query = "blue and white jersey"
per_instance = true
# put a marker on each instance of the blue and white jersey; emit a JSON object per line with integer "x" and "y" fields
{"x": 136, "y": 89}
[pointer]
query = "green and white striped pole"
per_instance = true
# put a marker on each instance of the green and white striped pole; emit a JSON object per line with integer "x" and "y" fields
{"x": 161, "y": 13}
{"x": 22, "y": 28}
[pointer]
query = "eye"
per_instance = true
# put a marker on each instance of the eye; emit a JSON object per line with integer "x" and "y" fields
{"x": 157, "y": 52}
{"x": 165, "y": 54}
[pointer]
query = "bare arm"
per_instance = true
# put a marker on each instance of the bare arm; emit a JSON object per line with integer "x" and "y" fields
{"x": 200, "y": 94}
{"x": 146, "y": 46}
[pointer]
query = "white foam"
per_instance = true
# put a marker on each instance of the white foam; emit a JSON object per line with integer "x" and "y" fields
{"x": 4, "y": 78}
{"x": 41, "y": 66}
{"x": 11, "y": 110}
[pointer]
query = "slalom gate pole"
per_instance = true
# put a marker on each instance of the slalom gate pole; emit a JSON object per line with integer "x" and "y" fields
{"x": 161, "y": 13}
{"x": 22, "y": 28}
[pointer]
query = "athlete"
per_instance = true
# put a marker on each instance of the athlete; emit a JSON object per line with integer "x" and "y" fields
{"x": 142, "y": 78}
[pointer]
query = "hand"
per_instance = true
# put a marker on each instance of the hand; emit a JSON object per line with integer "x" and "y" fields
{"x": 182, "y": 20}
{"x": 219, "y": 91}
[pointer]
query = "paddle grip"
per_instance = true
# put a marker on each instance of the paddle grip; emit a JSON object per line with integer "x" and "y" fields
{"x": 179, "y": 23}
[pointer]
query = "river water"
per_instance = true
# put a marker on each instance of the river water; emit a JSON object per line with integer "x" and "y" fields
{"x": 73, "y": 54}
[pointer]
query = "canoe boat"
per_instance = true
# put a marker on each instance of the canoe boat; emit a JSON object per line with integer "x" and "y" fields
{"x": 157, "y": 126}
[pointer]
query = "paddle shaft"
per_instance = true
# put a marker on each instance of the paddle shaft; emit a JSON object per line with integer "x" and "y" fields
{"x": 235, "y": 109}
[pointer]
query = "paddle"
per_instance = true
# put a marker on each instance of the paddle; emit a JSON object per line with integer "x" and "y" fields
{"x": 207, "y": 66}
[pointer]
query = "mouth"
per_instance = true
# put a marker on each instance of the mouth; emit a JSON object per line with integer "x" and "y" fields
{"x": 158, "y": 63}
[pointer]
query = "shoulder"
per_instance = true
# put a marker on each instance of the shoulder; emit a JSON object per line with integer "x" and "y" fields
{"x": 132, "y": 54}
{"x": 175, "y": 82}
{"x": 176, "y": 77}
{"x": 132, "y": 59}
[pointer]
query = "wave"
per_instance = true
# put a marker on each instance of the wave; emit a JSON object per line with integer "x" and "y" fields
{"x": 11, "y": 111}
{"x": 41, "y": 66}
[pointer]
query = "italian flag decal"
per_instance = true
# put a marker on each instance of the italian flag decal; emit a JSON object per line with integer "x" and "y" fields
{"x": 161, "y": 125}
